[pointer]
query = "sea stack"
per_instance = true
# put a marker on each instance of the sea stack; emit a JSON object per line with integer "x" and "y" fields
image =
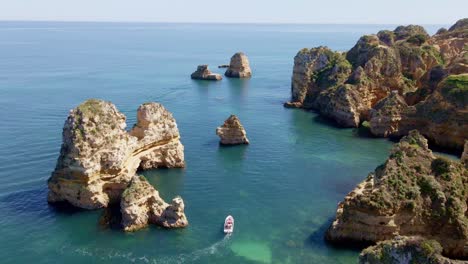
{"x": 203, "y": 73}
{"x": 414, "y": 193}
{"x": 99, "y": 158}
{"x": 232, "y": 132}
{"x": 141, "y": 205}
{"x": 239, "y": 66}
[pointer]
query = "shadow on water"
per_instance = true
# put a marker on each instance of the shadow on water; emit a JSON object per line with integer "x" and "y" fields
{"x": 238, "y": 87}
{"x": 317, "y": 240}
{"x": 232, "y": 153}
{"x": 204, "y": 86}
{"x": 35, "y": 202}
{"x": 324, "y": 120}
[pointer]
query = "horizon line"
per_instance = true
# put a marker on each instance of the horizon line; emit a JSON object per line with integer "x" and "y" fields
{"x": 214, "y": 22}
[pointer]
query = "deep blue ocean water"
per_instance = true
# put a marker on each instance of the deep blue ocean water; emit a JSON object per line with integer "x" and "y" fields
{"x": 282, "y": 189}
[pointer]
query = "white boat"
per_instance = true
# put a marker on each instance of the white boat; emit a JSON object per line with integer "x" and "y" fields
{"x": 229, "y": 224}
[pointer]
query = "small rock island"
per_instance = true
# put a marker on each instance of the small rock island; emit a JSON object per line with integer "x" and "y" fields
{"x": 232, "y": 132}
{"x": 239, "y": 66}
{"x": 99, "y": 159}
{"x": 203, "y": 73}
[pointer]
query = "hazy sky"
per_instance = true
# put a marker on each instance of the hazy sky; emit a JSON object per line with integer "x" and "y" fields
{"x": 239, "y": 11}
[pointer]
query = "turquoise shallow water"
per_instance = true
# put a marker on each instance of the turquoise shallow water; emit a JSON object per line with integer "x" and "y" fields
{"x": 282, "y": 189}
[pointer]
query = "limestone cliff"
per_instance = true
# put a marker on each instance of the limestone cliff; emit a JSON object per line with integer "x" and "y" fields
{"x": 98, "y": 157}
{"x": 406, "y": 65}
{"x": 232, "y": 132}
{"x": 412, "y": 193}
{"x": 406, "y": 250}
{"x": 141, "y": 205}
{"x": 442, "y": 117}
{"x": 239, "y": 66}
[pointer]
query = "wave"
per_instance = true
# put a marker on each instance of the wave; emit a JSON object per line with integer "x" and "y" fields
{"x": 105, "y": 254}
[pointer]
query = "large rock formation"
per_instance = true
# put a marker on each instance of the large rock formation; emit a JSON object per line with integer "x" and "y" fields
{"x": 412, "y": 193}
{"x": 203, "y": 73}
{"x": 464, "y": 157}
{"x": 423, "y": 77}
{"x": 442, "y": 116}
{"x": 239, "y": 66}
{"x": 99, "y": 158}
{"x": 141, "y": 205}
{"x": 158, "y": 138}
{"x": 232, "y": 132}
{"x": 406, "y": 250}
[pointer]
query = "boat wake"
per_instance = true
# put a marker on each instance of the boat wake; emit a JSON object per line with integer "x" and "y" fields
{"x": 109, "y": 254}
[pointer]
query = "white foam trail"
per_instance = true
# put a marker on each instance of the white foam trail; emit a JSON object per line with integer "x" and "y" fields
{"x": 128, "y": 256}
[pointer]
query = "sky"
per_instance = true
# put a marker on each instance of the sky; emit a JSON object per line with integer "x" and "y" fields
{"x": 239, "y": 11}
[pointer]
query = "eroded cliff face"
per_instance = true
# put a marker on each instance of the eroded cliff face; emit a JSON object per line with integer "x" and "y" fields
{"x": 98, "y": 157}
{"x": 442, "y": 117}
{"x": 239, "y": 66}
{"x": 412, "y": 193}
{"x": 232, "y": 132}
{"x": 141, "y": 205}
{"x": 406, "y": 250}
{"x": 349, "y": 87}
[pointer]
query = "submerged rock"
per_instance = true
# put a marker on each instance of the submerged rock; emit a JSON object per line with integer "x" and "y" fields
{"x": 413, "y": 193}
{"x": 405, "y": 250}
{"x": 98, "y": 157}
{"x": 141, "y": 205}
{"x": 239, "y": 66}
{"x": 203, "y": 73}
{"x": 232, "y": 132}
{"x": 401, "y": 73}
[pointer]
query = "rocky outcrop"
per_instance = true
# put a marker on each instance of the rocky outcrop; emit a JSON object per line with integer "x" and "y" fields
{"x": 406, "y": 250}
{"x": 239, "y": 66}
{"x": 412, "y": 193}
{"x": 464, "y": 157}
{"x": 442, "y": 117}
{"x": 232, "y": 132}
{"x": 386, "y": 116}
{"x": 158, "y": 134}
{"x": 141, "y": 205}
{"x": 98, "y": 157}
{"x": 401, "y": 73}
{"x": 203, "y": 73}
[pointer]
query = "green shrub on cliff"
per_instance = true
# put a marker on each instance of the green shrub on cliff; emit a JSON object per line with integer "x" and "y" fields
{"x": 334, "y": 73}
{"x": 418, "y": 39}
{"x": 455, "y": 89}
{"x": 412, "y": 177}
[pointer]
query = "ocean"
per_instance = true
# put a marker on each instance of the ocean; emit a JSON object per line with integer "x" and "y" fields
{"x": 282, "y": 189}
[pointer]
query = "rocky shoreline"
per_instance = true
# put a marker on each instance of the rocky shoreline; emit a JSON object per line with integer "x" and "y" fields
{"x": 396, "y": 80}
{"x": 402, "y": 83}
